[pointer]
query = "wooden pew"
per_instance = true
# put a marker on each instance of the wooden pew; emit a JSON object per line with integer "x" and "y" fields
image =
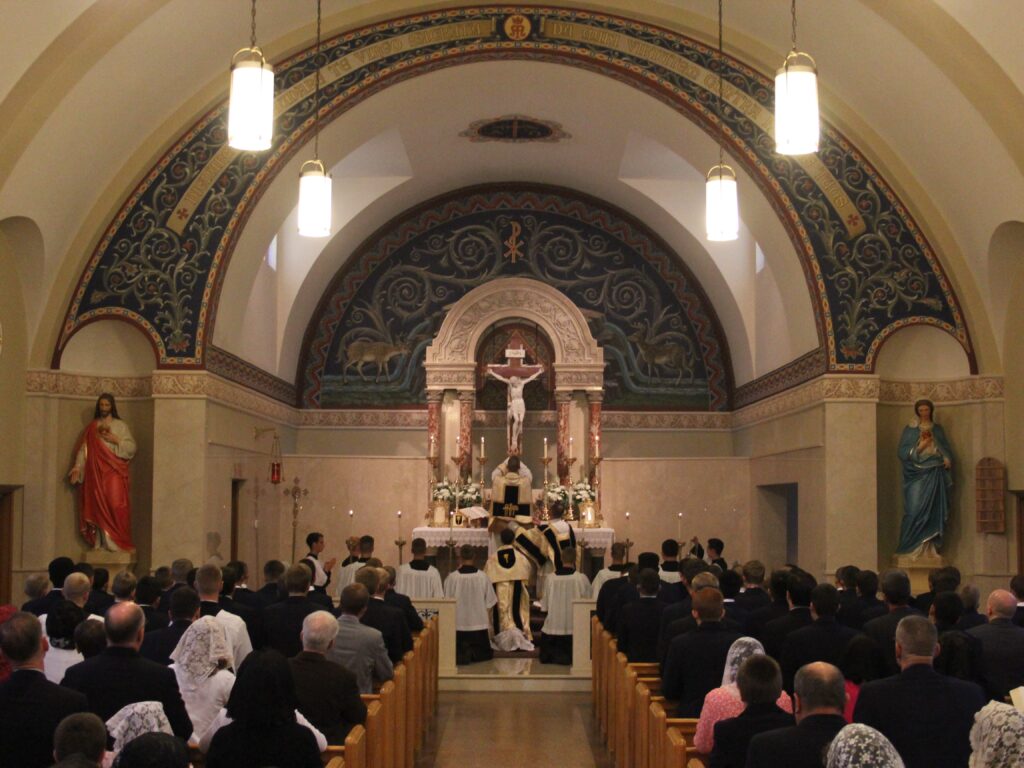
{"x": 388, "y": 719}
{"x": 411, "y": 709}
{"x": 659, "y": 723}
{"x": 646, "y": 689}
{"x": 352, "y": 755}
{"x": 681, "y": 754}
{"x": 596, "y": 659}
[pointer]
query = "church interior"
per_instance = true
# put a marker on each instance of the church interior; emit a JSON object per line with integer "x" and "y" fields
{"x": 515, "y": 190}
{"x": 523, "y": 177}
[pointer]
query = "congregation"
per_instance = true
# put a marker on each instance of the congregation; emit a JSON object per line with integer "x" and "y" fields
{"x": 773, "y": 669}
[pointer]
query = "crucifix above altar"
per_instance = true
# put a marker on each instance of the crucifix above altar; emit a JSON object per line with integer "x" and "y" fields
{"x": 516, "y": 374}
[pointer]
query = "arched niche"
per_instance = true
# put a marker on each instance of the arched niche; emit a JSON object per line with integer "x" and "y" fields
{"x": 1006, "y": 278}
{"x": 451, "y": 358}
{"x": 109, "y": 348}
{"x": 921, "y": 352}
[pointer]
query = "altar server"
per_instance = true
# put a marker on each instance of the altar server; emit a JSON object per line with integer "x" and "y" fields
{"x": 509, "y": 571}
{"x": 348, "y": 572}
{"x": 563, "y": 586}
{"x": 474, "y": 597}
{"x": 418, "y": 578}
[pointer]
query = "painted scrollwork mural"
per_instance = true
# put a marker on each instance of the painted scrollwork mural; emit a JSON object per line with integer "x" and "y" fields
{"x": 662, "y": 344}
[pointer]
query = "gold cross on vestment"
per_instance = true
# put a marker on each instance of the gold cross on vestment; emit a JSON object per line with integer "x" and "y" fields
{"x": 510, "y": 509}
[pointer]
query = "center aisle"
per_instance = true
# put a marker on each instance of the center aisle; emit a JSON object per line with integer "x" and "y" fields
{"x": 536, "y": 729}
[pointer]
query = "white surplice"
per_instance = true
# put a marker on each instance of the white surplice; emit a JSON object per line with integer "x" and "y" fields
{"x": 559, "y": 593}
{"x": 415, "y": 583}
{"x": 474, "y": 597}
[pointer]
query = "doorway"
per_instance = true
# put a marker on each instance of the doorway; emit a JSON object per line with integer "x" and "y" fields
{"x": 6, "y": 545}
{"x": 236, "y": 514}
{"x": 775, "y": 529}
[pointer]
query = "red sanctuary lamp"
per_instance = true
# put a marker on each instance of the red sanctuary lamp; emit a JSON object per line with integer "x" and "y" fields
{"x": 275, "y": 461}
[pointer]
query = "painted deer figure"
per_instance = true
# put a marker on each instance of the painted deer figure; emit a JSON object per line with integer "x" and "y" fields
{"x": 359, "y": 353}
{"x": 672, "y": 356}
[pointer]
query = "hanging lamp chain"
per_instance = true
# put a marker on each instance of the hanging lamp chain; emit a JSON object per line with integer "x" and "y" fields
{"x": 252, "y": 29}
{"x": 316, "y": 101}
{"x": 721, "y": 70}
{"x": 792, "y": 13}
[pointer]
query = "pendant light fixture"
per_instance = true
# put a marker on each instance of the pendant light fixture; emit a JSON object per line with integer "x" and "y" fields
{"x": 722, "y": 216}
{"x": 797, "y": 125}
{"x": 251, "y": 106}
{"x": 314, "y": 183}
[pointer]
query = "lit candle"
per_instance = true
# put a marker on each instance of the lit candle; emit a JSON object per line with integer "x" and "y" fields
{"x": 545, "y": 447}
{"x": 433, "y": 446}
{"x": 570, "y": 447}
{"x": 482, "y": 454}
{"x": 597, "y": 447}
{"x": 399, "y": 525}
{"x": 351, "y": 515}
{"x": 627, "y": 526}
{"x": 679, "y": 526}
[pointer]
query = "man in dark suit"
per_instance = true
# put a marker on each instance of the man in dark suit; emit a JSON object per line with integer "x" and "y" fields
{"x": 754, "y": 596}
{"x": 628, "y": 593}
{"x": 99, "y": 599}
{"x": 669, "y": 630}
{"x": 609, "y": 590}
{"x": 798, "y": 596}
{"x": 1002, "y": 645}
{"x": 945, "y": 579}
{"x": 328, "y": 693}
{"x": 80, "y": 741}
{"x": 120, "y": 676}
{"x": 696, "y": 660}
{"x": 730, "y": 582}
{"x": 180, "y": 570}
{"x": 58, "y": 569}
{"x": 822, "y": 640}
{"x": 867, "y": 593}
{"x": 1017, "y": 587}
{"x": 818, "y": 700}
{"x": 251, "y": 616}
{"x": 971, "y": 617}
{"x": 282, "y": 622}
{"x": 849, "y": 604}
{"x": 30, "y": 705}
{"x": 402, "y": 602}
{"x": 776, "y": 608}
{"x": 387, "y": 620}
{"x": 926, "y": 716}
{"x": 638, "y": 624}
{"x": 960, "y": 653}
{"x": 272, "y": 590}
{"x": 242, "y": 594}
{"x": 147, "y": 595}
{"x": 760, "y": 682}
{"x": 158, "y": 644}
{"x": 896, "y": 590}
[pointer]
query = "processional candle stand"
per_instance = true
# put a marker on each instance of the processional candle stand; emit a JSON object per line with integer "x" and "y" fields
{"x": 570, "y": 513}
{"x": 297, "y": 493}
{"x": 399, "y": 542}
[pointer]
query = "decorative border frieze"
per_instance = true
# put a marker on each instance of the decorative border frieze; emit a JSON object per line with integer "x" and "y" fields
{"x": 410, "y": 419}
{"x": 804, "y": 368}
{"x": 669, "y": 420}
{"x": 842, "y": 388}
{"x": 234, "y": 368}
{"x": 199, "y": 384}
{"x": 47, "y": 382}
{"x": 974, "y": 389}
{"x": 498, "y": 419}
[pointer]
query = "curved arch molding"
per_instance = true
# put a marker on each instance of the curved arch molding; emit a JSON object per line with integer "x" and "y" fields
{"x": 388, "y": 303}
{"x": 869, "y": 268}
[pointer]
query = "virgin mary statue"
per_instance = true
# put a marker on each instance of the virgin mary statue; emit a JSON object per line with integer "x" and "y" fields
{"x": 927, "y": 458}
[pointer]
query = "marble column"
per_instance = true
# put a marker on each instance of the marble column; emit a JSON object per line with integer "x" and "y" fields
{"x": 563, "y": 402}
{"x": 467, "y": 402}
{"x": 850, "y": 520}
{"x": 594, "y": 432}
{"x": 433, "y": 447}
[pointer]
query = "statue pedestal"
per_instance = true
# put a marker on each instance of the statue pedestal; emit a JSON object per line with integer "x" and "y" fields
{"x": 115, "y": 562}
{"x": 918, "y": 567}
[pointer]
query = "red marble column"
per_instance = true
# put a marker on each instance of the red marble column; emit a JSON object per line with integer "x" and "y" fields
{"x": 434, "y": 445}
{"x": 563, "y": 400}
{"x": 594, "y": 432}
{"x": 467, "y": 401}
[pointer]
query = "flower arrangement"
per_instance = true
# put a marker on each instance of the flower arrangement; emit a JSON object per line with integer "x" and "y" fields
{"x": 582, "y": 492}
{"x": 469, "y": 496}
{"x": 443, "y": 490}
{"x": 554, "y": 492}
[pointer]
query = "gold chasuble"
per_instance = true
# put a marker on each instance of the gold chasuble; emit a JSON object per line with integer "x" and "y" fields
{"x": 509, "y": 570}
{"x": 510, "y": 497}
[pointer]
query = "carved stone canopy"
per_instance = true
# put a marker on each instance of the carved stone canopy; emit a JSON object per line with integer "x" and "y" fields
{"x": 579, "y": 361}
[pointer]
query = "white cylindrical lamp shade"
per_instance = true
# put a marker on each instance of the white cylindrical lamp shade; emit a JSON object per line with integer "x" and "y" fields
{"x": 797, "y": 125}
{"x": 251, "y": 107}
{"x": 722, "y": 214}
{"x": 314, "y": 200}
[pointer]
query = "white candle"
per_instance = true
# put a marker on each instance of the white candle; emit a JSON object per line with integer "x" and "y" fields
{"x": 433, "y": 446}
{"x": 679, "y": 526}
{"x": 482, "y": 454}
{"x": 351, "y": 515}
{"x": 545, "y": 447}
{"x": 570, "y": 447}
{"x": 597, "y": 447}
{"x": 399, "y": 525}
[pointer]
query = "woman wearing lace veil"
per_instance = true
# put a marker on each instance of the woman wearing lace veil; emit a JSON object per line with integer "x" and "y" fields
{"x": 861, "y": 746}
{"x": 200, "y": 664}
{"x": 725, "y": 702}
{"x": 997, "y": 737}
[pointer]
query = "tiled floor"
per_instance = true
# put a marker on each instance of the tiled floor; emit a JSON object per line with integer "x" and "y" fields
{"x": 541, "y": 730}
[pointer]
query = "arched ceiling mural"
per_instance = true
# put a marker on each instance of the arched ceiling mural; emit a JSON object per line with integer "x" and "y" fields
{"x": 663, "y": 346}
{"x": 870, "y": 269}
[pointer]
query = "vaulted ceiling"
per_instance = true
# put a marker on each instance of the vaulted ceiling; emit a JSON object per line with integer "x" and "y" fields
{"x": 931, "y": 92}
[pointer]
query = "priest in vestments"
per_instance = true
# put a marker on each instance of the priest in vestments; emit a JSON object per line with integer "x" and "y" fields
{"x": 555, "y": 537}
{"x": 474, "y": 597}
{"x": 101, "y": 467}
{"x": 510, "y": 493}
{"x": 509, "y": 571}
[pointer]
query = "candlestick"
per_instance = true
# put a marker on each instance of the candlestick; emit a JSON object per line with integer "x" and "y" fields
{"x": 629, "y": 543}
{"x": 351, "y": 521}
{"x": 433, "y": 447}
{"x": 679, "y": 526}
{"x": 597, "y": 446}
{"x": 570, "y": 447}
{"x": 483, "y": 454}
{"x": 399, "y": 542}
{"x": 545, "y": 447}
{"x": 451, "y": 539}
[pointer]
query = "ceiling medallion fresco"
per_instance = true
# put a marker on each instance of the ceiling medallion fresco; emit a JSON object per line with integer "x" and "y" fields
{"x": 515, "y": 129}
{"x": 869, "y": 268}
{"x": 663, "y": 347}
